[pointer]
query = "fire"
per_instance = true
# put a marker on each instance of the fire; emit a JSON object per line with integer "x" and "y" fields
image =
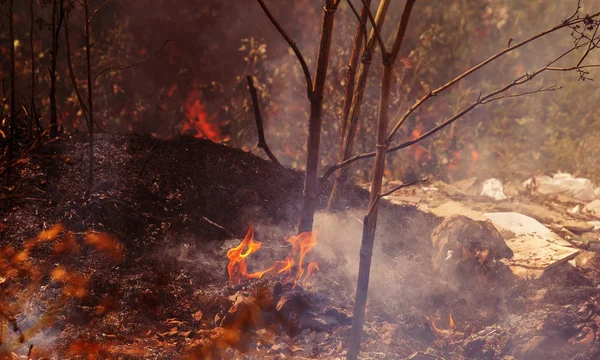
{"x": 301, "y": 245}
{"x": 452, "y": 326}
{"x": 198, "y": 120}
{"x": 237, "y": 257}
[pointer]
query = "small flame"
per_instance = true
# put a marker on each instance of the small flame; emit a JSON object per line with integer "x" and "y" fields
{"x": 312, "y": 266}
{"x": 237, "y": 256}
{"x": 452, "y": 326}
{"x": 301, "y": 245}
{"x": 435, "y": 327}
{"x": 198, "y": 120}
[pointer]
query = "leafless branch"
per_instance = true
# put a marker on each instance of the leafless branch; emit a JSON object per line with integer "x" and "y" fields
{"x": 89, "y": 20}
{"x": 490, "y": 97}
{"x": 390, "y": 192}
{"x": 292, "y": 44}
{"x": 362, "y": 24}
{"x": 567, "y": 23}
{"x": 375, "y": 28}
{"x": 262, "y": 143}
{"x": 132, "y": 65}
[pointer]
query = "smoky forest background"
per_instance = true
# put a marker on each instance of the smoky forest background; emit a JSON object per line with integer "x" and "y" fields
{"x": 197, "y": 84}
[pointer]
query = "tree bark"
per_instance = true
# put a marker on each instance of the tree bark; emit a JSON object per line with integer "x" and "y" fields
{"x": 88, "y": 65}
{"x": 57, "y": 18}
{"x": 351, "y": 122}
{"x": 13, "y": 90}
{"x": 309, "y": 199}
{"x": 370, "y": 221}
{"x": 33, "y": 110}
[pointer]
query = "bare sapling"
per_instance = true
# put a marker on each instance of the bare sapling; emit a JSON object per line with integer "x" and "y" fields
{"x": 370, "y": 219}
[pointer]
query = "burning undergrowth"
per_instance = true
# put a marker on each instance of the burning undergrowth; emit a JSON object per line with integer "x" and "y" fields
{"x": 160, "y": 264}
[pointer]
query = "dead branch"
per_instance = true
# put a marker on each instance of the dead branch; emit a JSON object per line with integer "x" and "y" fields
{"x": 361, "y": 30}
{"x": 376, "y": 29}
{"x": 89, "y": 20}
{"x": 390, "y": 192}
{"x": 350, "y": 124}
{"x": 262, "y": 143}
{"x": 330, "y": 170}
{"x": 567, "y": 23}
{"x": 293, "y": 45}
{"x": 112, "y": 68}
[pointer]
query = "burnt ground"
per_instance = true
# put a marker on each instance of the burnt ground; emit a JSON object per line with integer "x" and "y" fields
{"x": 156, "y": 285}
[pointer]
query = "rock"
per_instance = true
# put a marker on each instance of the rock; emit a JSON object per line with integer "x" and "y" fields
{"x": 588, "y": 260}
{"x": 493, "y": 188}
{"x": 536, "y": 248}
{"x": 465, "y": 248}
{"x": 593, "y": 208}
{"x": 577, "y": 227}
{"x": 455, "y": 208}
{"x": 489, "y": 343}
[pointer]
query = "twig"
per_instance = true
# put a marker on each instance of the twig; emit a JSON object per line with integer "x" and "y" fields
{"x": 390, "y": 192}
{"x": 360, "y": 20}
{"x": 293, "y": 45}
{"x": 132, "y": 65}
{"x": 481, "y": 100}
{"x": 567, "y": 23}
{"x": 262, "y": 143}
{"x": 219, "y": 226}
{"x": 29, "y": 352}
{"x": 375, "y": 29}
{"x": 89, "y": 20}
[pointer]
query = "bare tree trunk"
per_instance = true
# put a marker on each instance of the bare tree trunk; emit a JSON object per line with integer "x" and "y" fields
{"x": 354, "y": 57}
{"x": 13, "y": 91}
{"x": 82, "y": 102}
{"x": 370, "y": 221}
{"x": 57, "y": 18}
{"x": 351, "y": 122}
{"x": 88, "y": 64}
{"x": 309, "y": 200}
{"x": 33, "y": 110}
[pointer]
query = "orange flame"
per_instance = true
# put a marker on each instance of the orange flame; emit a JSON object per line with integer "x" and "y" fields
{"x": 237, "y": 256}
{"x": 198, "y": 120}
{"x": 301, "y": 245}
{"x": 452, "y": 326}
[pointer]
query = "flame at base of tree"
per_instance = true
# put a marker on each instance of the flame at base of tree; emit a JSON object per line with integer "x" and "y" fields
{"x": 292, "y": 266}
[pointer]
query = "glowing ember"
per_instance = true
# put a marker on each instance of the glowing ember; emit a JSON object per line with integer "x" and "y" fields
{"x": 301, "y": 245}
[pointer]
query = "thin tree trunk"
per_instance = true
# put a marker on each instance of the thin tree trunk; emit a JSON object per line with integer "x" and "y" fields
{"x": 354, "y": 57}
{"x": 33, "y": 110}
{"x": 309, "y": 200}
{"x": 82, "y": 102}
{"x": 13, "y": 91}
{"x": 349, "y": 128}
{"x": 88, "y": 64}
{"x": 370, "y": 221}
{"x": 333, "y": 203}
{"x": 57, "y": 18}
